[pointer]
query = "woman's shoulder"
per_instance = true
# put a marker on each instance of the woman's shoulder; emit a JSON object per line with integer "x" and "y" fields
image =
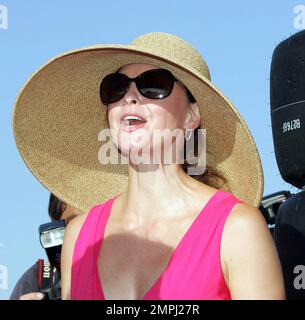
{"x": 244, "y": 223}
{"x": 245, "y": 227}
{"x": 70, "y": 238}
{"x": 241, "y": 212}
{"x": 248, "y": 252}
{"x": 244, "y": 214}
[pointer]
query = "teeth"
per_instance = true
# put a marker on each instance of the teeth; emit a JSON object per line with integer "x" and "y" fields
{"x": 132, "y": 118}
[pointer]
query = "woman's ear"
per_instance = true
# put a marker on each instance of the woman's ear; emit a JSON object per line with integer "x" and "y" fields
{"x": 193, "y": 116}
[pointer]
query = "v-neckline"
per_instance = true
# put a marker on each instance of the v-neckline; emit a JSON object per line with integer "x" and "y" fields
{"x": 173, "y": 254}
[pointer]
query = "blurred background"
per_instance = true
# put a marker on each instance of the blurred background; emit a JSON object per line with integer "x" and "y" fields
{"x": 236, "y": 38}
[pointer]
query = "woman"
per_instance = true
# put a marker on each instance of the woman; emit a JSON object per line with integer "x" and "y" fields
{"x": 161, "y": 234}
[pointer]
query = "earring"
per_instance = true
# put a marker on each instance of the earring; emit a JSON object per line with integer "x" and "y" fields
{"x": 188, "y": 134}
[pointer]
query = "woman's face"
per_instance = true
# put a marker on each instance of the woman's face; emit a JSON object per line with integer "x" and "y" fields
{"x": 169, "y": 113}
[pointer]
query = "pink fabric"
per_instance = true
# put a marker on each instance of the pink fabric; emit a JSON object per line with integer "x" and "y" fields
{"x": 194, "y": 269}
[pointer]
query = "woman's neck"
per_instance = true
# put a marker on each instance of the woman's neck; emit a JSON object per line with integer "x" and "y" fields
{"x": 157, "y": 192}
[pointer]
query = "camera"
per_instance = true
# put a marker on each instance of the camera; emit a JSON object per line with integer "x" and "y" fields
{"x": 51, "y": 238}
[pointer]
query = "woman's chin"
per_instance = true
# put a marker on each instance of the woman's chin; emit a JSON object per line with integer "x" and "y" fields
{"x": 137, "y": 153}
{"x": 130, "y": 148}
{"x": 135, "y": 140}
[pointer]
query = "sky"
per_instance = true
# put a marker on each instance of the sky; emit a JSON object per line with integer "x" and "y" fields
{"x": 236, "y": 38}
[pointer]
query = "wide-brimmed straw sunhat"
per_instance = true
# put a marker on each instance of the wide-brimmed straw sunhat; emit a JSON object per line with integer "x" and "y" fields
{"x": 58, "y": 116}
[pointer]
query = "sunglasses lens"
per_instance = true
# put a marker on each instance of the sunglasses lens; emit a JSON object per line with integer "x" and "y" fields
{"x": 113, "y": 87}
{"x": 157, "y": 84}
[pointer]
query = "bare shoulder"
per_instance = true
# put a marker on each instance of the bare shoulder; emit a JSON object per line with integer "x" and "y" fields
{"x": 71, "y": 234}
{"x": 250, "y": 262}
{"x": 244, "y": 227}
{"x": 75, "y": 225}
{"x": 243, "y": 216}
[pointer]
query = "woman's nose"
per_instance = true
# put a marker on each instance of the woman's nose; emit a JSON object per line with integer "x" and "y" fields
{"x": 132, "y": 96}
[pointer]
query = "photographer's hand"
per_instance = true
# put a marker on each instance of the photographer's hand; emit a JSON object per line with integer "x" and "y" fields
{"x": 32, "y": 296}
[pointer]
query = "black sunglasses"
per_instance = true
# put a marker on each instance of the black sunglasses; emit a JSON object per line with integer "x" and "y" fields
{"x": 152, "y": 84}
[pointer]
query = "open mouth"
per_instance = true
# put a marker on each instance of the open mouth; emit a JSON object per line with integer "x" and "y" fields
{"x": 133, "y": 122}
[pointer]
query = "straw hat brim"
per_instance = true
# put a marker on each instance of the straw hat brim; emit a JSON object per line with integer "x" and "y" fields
{"x": 58, "y": 116}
